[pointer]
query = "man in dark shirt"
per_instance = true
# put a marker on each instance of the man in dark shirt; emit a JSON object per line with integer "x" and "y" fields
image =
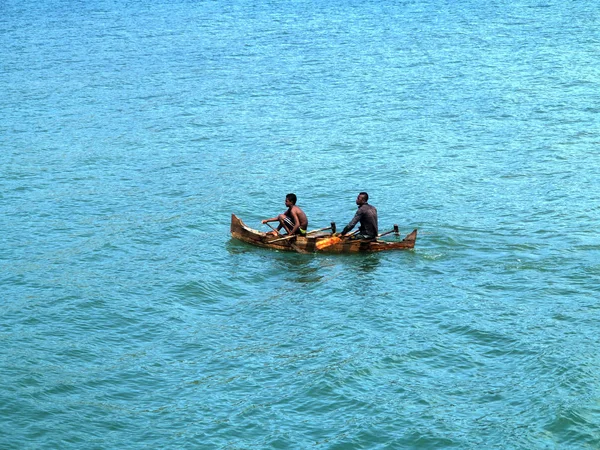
{"x": 367, "y": 216}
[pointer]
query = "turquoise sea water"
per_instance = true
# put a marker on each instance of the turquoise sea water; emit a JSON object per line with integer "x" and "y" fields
{"x": 129, "y": 133}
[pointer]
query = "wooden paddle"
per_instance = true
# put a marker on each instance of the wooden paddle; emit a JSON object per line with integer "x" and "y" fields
{"x": 307, "y": 233}
{"x": 271, "y": 227}
{"x": 335, "y": 239}
{"x": 296, "y": 248}
{"x": 394, "y": 230}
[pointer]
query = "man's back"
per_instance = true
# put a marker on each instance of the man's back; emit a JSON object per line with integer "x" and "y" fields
{"x": 368, "y": 220}
{"x": 301, "y": 216}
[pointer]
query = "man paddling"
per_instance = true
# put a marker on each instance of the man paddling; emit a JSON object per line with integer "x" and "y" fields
{"x": 367, "y": 216}
{"x": 294, "y": 220}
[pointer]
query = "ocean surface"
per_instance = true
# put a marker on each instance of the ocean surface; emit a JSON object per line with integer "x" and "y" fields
{"x": 130, "y": 132}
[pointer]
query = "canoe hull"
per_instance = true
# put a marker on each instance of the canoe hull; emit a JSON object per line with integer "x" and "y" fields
{"x": 302, "y": 244}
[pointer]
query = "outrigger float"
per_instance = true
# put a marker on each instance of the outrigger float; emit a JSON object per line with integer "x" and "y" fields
{"x": 323, "y": 240}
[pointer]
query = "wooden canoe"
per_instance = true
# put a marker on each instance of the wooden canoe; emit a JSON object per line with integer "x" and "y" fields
{"x": 308, "y": 244}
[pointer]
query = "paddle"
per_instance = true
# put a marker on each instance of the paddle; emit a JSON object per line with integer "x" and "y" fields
{"x": 335, "y": 239}
{"x": 299, "y": 250}
{"x": 307, "y": 233}
{"x": 271, "y": 227}
{"x": 394, "y": 230}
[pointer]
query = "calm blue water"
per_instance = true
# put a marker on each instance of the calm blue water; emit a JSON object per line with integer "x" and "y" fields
{"x": 129, "y": 133}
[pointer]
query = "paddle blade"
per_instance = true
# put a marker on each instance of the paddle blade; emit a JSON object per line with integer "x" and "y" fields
{"x": 327, "y": 242}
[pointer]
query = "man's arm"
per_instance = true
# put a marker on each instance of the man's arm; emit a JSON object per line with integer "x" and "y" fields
{"x": 273, "y": 219}
{"x": 353, "y": 222}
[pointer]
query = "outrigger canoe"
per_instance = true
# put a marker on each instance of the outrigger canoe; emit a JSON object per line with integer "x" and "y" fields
{"x": 308, "y": 244}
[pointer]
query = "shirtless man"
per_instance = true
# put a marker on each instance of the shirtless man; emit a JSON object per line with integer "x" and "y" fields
{"x": 293, "y": 220}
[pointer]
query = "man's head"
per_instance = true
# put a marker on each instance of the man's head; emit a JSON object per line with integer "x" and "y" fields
{"x": 362, "y": 198}
{"x": 290, "y": 199}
